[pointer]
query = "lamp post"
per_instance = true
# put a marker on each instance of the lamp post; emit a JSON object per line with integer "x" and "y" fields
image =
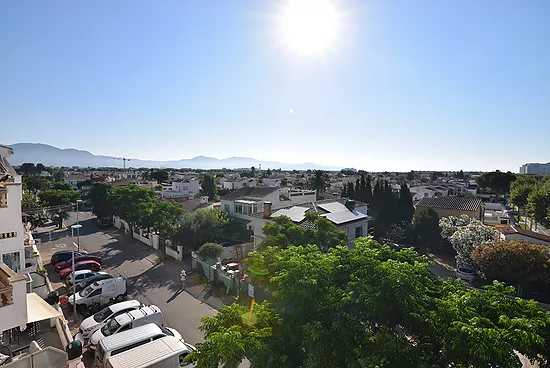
{"x": 77, "y": 202}
{"x": 77, "y": 228}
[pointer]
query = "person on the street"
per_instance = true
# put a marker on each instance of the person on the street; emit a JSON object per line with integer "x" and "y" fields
{"x": 183, "y": 276}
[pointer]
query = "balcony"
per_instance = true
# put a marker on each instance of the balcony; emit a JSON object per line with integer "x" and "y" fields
{"x": 6, "y": 288}
{"x": 3, "y": 196}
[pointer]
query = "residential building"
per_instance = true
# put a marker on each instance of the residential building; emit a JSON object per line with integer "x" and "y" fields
{"x": 75, "y": 179}
{"x": 495, "y": 214}
{"x": 233, "y": 184}
{"x": 512, "y": 232}
{"x": 187, "y": 188}
{"x": 13, "y": 299}
{"x": 533, "y": 168}
{"x": 453, "y": 206}
{"x": 271, "y": 182}
{"x": 343, "y": 213}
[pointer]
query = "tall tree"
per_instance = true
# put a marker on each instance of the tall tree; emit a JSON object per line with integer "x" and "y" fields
{"x": 165, "y": 216}
{"x": 538, "y": 204}
{"x": 130, "y": 203}
{"x": 63, "y": 186}
{"x": 209, "y": 186}
{"x": 425, "y": 229}
{"x": 368, "y": 190}
{"x": 35, "y": 184}
{"x": 319, "y": 181}
{"x": 161, "y": 176}
{"x": 350, "y": 191}
{"x": 405, "y": 205}
{"x": 100, "y": 197}
{"x": 497, "y": 181}
{"x": 59, "y": 203}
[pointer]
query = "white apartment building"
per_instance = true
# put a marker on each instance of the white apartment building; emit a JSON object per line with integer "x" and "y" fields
{"x": 533, "y": 168}
{"x": 13, "y": 292}
{"x": 233, "y": 184}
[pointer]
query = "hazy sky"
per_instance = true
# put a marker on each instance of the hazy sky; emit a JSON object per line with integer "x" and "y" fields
{"x": 396, "y": 85}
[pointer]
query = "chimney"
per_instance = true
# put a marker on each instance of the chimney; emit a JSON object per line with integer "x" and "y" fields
{"x": 267, "y": 209}
{"x": 350, "y": 204}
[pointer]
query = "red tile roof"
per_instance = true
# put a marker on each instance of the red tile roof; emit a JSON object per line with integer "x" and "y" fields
{"x": 509, "y": 230}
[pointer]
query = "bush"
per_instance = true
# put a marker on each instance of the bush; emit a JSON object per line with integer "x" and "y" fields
{"x": 209, "y": 251}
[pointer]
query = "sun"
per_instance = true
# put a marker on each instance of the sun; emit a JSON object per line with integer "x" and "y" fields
{"x": 309, "y": 26}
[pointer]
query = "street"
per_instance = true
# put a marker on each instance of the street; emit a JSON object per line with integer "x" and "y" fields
{"x": 149, "y": 281}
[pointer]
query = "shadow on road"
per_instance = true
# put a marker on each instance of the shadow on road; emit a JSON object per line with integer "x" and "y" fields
{"x": 180, "y": 290}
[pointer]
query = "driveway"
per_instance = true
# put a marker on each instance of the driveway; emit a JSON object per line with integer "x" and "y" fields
{"x": 149, "y": 281}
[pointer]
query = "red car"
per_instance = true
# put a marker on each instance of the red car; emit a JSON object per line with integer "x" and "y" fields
{"x": 83, "y": 265}
{"x": 68, "y": 264}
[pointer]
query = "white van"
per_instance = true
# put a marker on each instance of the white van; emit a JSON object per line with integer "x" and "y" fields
{"x": 100, "y": 292}
{"x": 101, "y": 318}
{"x": 116, "y": 344}
{"x": 167, "y": 352}
{"x": 127, "y": 321}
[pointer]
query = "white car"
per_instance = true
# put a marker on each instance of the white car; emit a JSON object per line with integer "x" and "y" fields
{"x": 465, "y": 274}
{"x": 101, "y": 318}
{"x": 81, "y": 275}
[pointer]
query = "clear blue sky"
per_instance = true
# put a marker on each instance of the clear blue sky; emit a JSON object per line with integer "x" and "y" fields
{"x": 406, "y": 84}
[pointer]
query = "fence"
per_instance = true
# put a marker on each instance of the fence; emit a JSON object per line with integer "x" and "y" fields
{"x": 215, "y": 274}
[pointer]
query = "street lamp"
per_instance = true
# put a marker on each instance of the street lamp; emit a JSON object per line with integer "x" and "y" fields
{"x": 77, "y": 202}
{"x": 77, "y": 228}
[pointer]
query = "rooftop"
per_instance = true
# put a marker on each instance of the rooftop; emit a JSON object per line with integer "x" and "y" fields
{"x": 451, "y": 203}
{"x": 509, "y": 230}
{"x": 254, "y": 192}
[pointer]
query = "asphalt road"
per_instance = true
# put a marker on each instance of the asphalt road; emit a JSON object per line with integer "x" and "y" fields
{"x": 148, "y": 282}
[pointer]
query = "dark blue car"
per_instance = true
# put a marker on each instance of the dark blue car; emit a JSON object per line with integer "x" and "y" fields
{"x": 64, "y": 255}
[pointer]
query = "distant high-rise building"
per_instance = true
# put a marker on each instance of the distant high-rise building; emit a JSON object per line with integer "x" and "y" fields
{"x": 535, "y": 168}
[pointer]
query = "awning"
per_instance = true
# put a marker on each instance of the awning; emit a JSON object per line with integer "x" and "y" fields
{"x": 38, "y": 309}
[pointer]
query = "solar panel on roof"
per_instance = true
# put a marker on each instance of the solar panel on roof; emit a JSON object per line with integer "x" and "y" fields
{"x": 296, "y": 213}
{"x": 341, "y": 217}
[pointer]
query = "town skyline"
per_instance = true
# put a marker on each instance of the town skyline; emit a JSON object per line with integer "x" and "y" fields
{"x": 381, "y": 86}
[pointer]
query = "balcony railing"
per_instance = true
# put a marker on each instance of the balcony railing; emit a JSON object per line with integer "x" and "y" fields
{"x": 6, "y": 288}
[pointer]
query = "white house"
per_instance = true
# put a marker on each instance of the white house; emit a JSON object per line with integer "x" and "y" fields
{"x": 13, "y": 299}
{"x": 342, "y": 212}
{"x": 511, "y": 232}
{"x": 188, "y": 188}
{"x": 233, "y": 184}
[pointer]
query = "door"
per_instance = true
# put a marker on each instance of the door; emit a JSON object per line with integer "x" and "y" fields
{"x": 95, "y": 297}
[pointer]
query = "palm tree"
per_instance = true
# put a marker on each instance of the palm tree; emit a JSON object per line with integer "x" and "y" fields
{"x": 319, "y": 181}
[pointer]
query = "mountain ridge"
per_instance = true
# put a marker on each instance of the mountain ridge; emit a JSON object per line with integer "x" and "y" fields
{"x": 50, "y": 155}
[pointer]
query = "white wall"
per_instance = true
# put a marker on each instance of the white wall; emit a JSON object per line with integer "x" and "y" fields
{"x": 230, "y": 253}
{"x": 15, "y": 315}
{"x": 350, "y": 230}
{"x": 10, "y": 220}
{"x": 526, "y": 238}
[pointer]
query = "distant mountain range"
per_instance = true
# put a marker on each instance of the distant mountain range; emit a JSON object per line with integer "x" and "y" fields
{"x": 53, "y": 156}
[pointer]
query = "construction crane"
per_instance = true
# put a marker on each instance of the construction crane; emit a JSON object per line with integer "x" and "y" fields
{"x": 123, "y": 160}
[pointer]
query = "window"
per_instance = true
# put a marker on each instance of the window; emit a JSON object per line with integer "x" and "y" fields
{"x": 238, "y": 208}
{"x": 182, "y": 359}
{"x": 358, "y": 232}
{"x": 425, "y": 194}
{"x": 226, "y": 208}
{"x": 12, "y": 260}
{"x": 95, "y": 293}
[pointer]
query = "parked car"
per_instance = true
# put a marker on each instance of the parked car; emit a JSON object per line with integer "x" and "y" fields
{"x": 64, "y": 255}
{"x": 100, "y": 293}
{"x": 80, "y": 276}
{"x": 83, "y": 265}
{"x": 126, "y": 321}
{"x": 166, "y": 352}
{"x": 465, "y": 274}
{"x": 111, "y": 346}
{"x": 69, "y": 263}
{"x": 99, "y": 319}
{"x": 90, "y": 280}
{"x": 104, "y": 223}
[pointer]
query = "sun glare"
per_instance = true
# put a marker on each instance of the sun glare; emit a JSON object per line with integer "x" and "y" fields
{"x": 309, "y": 26}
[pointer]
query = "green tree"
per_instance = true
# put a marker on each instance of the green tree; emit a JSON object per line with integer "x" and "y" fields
{"x": 319, "y": 181}
{"x": 165, "y": 217}
{"x": 210, "y": 251}
{"x": 358, "y": 307}
{"x": 60, "y": 202}
{"x": 283, "y": 232}
{"x": 404, "y": 204}
{"x": 209, "y": 186}
{"x": 133, "y": 204}
{"x": 30, "y": 202}
{"x": 499, "y": 182}
{"x": 519, "y": 192}
{"x": 268, "y": 173}
{"x": 63, "y": 186}
{"x": 161, "y": 176}
{"x": 100, "y": 197}
{"x": 538, "y": 204}
{"x": 515, "y": 262}
{"x": 350, "y": 192}
{"x": 425, "y": 228}
{"x": 252, "y": 172}
{"x": 35, "y": 184}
